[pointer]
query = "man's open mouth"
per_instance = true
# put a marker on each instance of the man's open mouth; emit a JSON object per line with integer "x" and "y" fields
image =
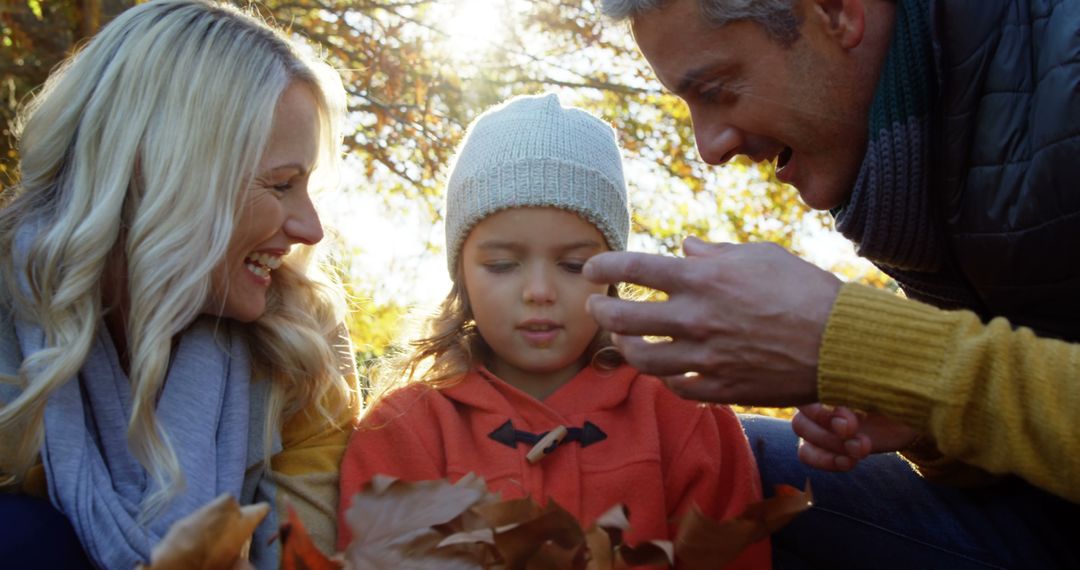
{"x": 783, "y": 158}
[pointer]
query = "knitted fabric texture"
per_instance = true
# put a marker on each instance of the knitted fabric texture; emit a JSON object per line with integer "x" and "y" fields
{"x": 532, "y": 151}
{"x": 890, "y": 216}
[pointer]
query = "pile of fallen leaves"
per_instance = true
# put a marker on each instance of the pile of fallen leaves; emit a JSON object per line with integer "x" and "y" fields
{"x": 438, "y": 524}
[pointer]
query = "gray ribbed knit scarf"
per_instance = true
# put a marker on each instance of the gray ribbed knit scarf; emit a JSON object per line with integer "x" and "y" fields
{"x": 93, "y": 477}
{"x": 889, "y": 214}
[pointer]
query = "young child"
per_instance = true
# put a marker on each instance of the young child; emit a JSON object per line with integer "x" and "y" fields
{"x": 535, "y": 191}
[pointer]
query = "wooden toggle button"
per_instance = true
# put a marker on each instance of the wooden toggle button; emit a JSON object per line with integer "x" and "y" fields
{"x": 546, "y": 445}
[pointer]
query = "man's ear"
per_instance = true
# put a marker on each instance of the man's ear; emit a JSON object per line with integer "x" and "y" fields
{"x": 842, "y": 20}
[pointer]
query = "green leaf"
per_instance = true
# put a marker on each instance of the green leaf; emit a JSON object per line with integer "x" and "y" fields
{"x": 35, "y": 7}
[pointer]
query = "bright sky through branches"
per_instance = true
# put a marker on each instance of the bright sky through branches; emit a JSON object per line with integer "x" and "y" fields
{"x": 474, "y": 26}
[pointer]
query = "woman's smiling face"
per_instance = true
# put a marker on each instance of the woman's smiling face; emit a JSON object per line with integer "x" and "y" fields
{"x": 277, "y": 213}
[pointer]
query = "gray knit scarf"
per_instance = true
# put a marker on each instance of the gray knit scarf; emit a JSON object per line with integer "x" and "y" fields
{"x": 890, "y": 215}
{"x": 93, "y": 477}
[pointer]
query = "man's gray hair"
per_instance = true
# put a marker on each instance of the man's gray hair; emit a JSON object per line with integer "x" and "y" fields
{"x": 778, "y": 17}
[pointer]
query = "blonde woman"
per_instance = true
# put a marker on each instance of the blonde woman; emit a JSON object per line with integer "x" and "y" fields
{"x": 163, "y": 339}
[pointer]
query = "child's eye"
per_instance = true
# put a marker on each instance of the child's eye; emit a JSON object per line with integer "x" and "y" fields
{"x": 572, "y": 266}
{"x": 499, "y": 266}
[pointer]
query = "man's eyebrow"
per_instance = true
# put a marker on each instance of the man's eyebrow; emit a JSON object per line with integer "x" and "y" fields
{"x": 720, "y": 67}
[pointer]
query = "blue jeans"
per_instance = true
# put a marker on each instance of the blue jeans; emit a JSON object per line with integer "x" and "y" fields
{"x": 883, "y": 515}
{"x": 33, "y": 534}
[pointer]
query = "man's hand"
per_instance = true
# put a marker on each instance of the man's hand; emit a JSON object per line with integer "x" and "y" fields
{"x": 836, "y": 439}
{"x": 743, "y": 322}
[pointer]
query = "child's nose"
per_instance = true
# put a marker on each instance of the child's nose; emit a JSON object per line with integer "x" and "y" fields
{"x": 539, "y": 288}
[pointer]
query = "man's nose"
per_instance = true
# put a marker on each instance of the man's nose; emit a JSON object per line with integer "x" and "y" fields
{"x": 717, "y": 140}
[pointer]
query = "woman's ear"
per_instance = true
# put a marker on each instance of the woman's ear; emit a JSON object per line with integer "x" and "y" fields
{"x": 842, "y": 20}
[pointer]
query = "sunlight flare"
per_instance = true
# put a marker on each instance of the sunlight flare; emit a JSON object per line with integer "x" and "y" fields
{"x": 474, "y": 26}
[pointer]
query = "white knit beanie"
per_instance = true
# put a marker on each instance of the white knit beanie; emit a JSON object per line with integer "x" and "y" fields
{"x": 532, "y": 151}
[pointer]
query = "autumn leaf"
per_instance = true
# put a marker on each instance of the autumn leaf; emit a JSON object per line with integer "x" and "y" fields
{"x": 550, "y": 534}
{"x": 607, "y": 551}
{"x": 436, "y": 524}
{"x": 298, "y": 552}
{"x": 215, "y": 537}
{"x": 776, "y": 512}
{"x": 705, "y": 543}
{"x": 393, "y": 523}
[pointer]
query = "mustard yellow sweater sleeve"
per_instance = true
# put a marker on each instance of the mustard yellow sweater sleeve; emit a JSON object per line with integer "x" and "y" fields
{"x": 306, "y": 470}
{"x": 1001, "y": 399}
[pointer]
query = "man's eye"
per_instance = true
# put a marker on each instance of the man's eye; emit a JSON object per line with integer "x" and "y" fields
{"x": 282, "y": 187}
{"x": 712, "y": 91}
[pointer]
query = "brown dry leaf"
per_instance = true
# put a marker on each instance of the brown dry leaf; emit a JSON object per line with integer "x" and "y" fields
{"x": 509, "y": 512}
{"x": 421, "y": 553}
{"x": 298, "y": 552}
{"x": 615, "y": 520}
{"x": 600, "y": 550}
{"x": 776, "y": 512}
{"x": 607, "y": 551}
{"x": 394, "y": 523}
{"x": 215, "y": 537}
{"x": 705, "y": 543}
{"x": 551, "y": 556}
{"x": 519, "y": 543}
{"x": 648, "y": 553}
{"x": 434, "y": 524}
{"x": 391, "y": 510}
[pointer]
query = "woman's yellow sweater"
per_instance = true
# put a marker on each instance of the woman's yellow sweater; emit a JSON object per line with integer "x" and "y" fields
{"x": 1000, "y": 399}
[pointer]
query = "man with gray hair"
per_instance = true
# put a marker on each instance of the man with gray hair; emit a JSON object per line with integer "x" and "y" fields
{"x": 943, "y": 136}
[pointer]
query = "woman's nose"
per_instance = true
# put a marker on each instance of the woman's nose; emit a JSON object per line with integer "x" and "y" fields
{"x": 302, "y": 221}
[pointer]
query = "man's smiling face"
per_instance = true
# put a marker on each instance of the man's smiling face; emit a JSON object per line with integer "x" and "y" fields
{"x": 802, "y": 105}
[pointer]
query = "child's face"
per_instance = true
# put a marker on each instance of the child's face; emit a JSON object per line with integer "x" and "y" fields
{"x": 522, "y": 273}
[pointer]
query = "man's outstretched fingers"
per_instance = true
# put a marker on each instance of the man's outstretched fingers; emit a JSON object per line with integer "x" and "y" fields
{"x": 695, "y": 387}
{"x": 659, "y": 358}
{"x": 694, "y": 246}
{"x": 656, "y": 271}
{"x": 631, "y": 317}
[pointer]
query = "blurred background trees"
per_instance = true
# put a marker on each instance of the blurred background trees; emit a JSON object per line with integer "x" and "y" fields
{"x": 417, "y": 71}
{"x": 34, "y": 36}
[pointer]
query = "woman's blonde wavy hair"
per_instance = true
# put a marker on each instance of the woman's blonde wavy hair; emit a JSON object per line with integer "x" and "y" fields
{"x": 136, "y": 156}
{"x": 448, "y": 343}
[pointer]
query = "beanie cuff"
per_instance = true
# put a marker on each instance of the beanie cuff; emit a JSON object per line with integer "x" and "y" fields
{"x": 537, "y": 182}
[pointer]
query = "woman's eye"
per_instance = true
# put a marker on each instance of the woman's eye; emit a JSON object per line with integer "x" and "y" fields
{"x": 282, "y": 187}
